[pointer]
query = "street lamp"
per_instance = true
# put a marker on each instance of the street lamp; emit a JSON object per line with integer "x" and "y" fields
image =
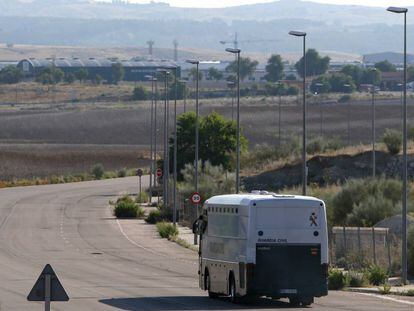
{"x": 404, "y": 169}
{"x": 374, "y": 70}
{"x": 152, "y": 156}
{"x": 348, "y": 86}
{"x": 237, "y": 52}
{"x": 230, "y": 85}
{"x": 197, "y": 125}
{"x": 175, "y": 68}
{"x": 304, "y": 167}
{"x": 400, "y": 85}
{"x": 166, "y": 117}
{"x": 319, "y": 86}
{"x": 184, "y": 83}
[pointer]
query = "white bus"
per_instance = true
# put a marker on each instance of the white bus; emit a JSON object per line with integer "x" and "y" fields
{"x": 262, "y": 244}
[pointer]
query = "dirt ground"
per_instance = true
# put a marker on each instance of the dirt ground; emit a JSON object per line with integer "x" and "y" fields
{"x": 114, "y": 133}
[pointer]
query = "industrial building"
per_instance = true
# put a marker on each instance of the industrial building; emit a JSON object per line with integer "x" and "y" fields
{"x": 134, "y": 70}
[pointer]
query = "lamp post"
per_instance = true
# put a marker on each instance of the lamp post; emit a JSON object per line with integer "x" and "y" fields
{"x": 319, "y": 86}
{"x": 400, "y": 85}
{"x": 152, "y": 140}
{"x": 237, "y": 52}
{"x": 230, "y": 85}
{"x": 304, "y": 167}
{"x": 197, "y": 63}
{"x": 184, "y": 83}
{"x": 348, "y": 117}
{"x": 404, "y": 169}
{"x": 166, "y": 160}
{"x": 374, "y": 70}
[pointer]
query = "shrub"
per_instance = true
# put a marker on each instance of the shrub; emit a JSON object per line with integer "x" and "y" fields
{"x": 315, "y": 145}
{"x": 98, "y": 171}
{"x": 377, "y": 275}
{"x": 125, "y": 207}
{"x": 356, "y": 191}
{"x": 410, "y": 133}
{"x": 385, "y": 289}
{"x": 122, "y": 172}
{"x": 336, "y": 279}
{"x": 167, "y": 230}
{"x": 371, "y": 210}
{"x": 357, "y": 279}
{"x": 345, "y": 98}
{"x": 159, "y": 215}
{"x": 140, "y": 93}
{"x": 410, "y": 293}
{"x": 393, "y": 140}
{"x": 142, "y": 197}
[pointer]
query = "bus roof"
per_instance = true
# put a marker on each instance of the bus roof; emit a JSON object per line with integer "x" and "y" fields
{"x": 246, "y": 198}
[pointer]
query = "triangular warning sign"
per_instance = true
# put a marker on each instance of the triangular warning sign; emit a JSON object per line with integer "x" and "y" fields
{"x": 57, "y": 292}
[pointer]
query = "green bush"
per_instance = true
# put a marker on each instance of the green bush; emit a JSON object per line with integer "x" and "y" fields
{"x": 371, "y": 210}
{"x": 125, "y": 207}
{"x": 140, "y": 93}
{"x": 167, "y": 230}
{"x": 142, "y": 198}
{"x": 410, "y": 293}
{"x": 385, "y": 289}
{"x": 393, "y": 140}
{"x": 336, "y": 279}
{"x": 377, "y": 275}
{"x": 410, "y": 133}
{"x": 159, "y": 215}
{"x": 122, "y": 172}
{"x": 98, "y": 171}
{"x": 356, "y": 191}
{"x": 357, "y": 279}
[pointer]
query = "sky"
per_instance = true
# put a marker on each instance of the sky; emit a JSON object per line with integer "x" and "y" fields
{"x": 226, "y": 3}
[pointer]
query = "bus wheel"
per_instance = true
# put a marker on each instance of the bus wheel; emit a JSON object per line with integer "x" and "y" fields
{"x": 294, "y": 301}
{"x": 306, "y": 301}
{"x": 208, "y": 286}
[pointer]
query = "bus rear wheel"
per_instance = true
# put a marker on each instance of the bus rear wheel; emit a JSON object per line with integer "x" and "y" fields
{"x": 208, "y": 286}
{"x": 301, "y": 301}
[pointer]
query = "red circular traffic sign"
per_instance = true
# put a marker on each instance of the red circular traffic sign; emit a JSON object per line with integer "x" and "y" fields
{"x": 159, "y": 172}
{"x": 139, "y": 172}
{"x": 195, "y": 198}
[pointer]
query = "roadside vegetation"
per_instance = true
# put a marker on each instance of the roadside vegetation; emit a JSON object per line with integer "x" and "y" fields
{"x": 126, "y": 207}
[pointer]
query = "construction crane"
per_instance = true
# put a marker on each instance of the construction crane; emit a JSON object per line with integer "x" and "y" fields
{"x": 175, "y": 42}
{"x": 150, "y": 46}
{"x": 236, "y": 42}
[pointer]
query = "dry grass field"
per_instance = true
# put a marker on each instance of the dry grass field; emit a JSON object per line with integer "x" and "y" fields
{"x": 45, "y": 138}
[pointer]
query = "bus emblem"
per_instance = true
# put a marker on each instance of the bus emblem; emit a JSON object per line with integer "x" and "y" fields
{"x": 313, "y": 219}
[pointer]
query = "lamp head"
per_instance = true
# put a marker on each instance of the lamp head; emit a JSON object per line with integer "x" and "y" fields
{"x": 234, "y": 51}
{"x": 397, "y": 10}
{"x": 297, "y": 33}
{"x": 193, "y": 61}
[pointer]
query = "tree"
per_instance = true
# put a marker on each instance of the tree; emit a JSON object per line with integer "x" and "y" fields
{"x": 50, "y": 75}
{"x": 140, "y": 93}
{"x": 97, "y": 79}
{"x": 292, "y": 91}
{"x": 274, "y": 68}
{"x": 81, "y": 74}
{"x": 247, "y": 67}
{"x": 217, "y": 140}
{"x": 315, "y": 65}
{"x": 117, "y": 72}
{"x": 11, "y": 75}
{"x": 193, "y": 74}
{"x": 385, "y": 66}
{"x": 338, "y": 82}
{"x": 355, "y": 72}
{"x": 321, "y": 85}
{"x": 276, "y": 89}
{"x": 371, "y": 77}
{"x": 214, "y": 74}
{"x": 70, "y": 78}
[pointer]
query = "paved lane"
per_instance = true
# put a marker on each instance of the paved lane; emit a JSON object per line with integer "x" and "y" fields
{"x": 107, "y": 264}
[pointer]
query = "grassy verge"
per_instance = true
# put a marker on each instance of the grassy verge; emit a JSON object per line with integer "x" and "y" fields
{"x": 62, "y": 179}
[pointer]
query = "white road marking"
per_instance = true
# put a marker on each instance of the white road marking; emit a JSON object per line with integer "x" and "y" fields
{"x": 388, "y": 298}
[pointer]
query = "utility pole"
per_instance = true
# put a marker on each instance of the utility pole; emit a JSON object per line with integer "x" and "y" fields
{"x": 175, "y": 42}
{"x": 150, "y": 47}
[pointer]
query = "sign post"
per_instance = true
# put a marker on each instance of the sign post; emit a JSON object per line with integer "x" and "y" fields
{"x": 195, "y": 200}
{"x": 48, "y": 288}
{"x": 139, "y": 174}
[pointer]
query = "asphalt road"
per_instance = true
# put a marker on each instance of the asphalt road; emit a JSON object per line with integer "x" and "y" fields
{"x": 106, "y": 264}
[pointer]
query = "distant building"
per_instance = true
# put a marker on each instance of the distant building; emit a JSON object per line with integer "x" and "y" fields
{"x": 134, "y": 70}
